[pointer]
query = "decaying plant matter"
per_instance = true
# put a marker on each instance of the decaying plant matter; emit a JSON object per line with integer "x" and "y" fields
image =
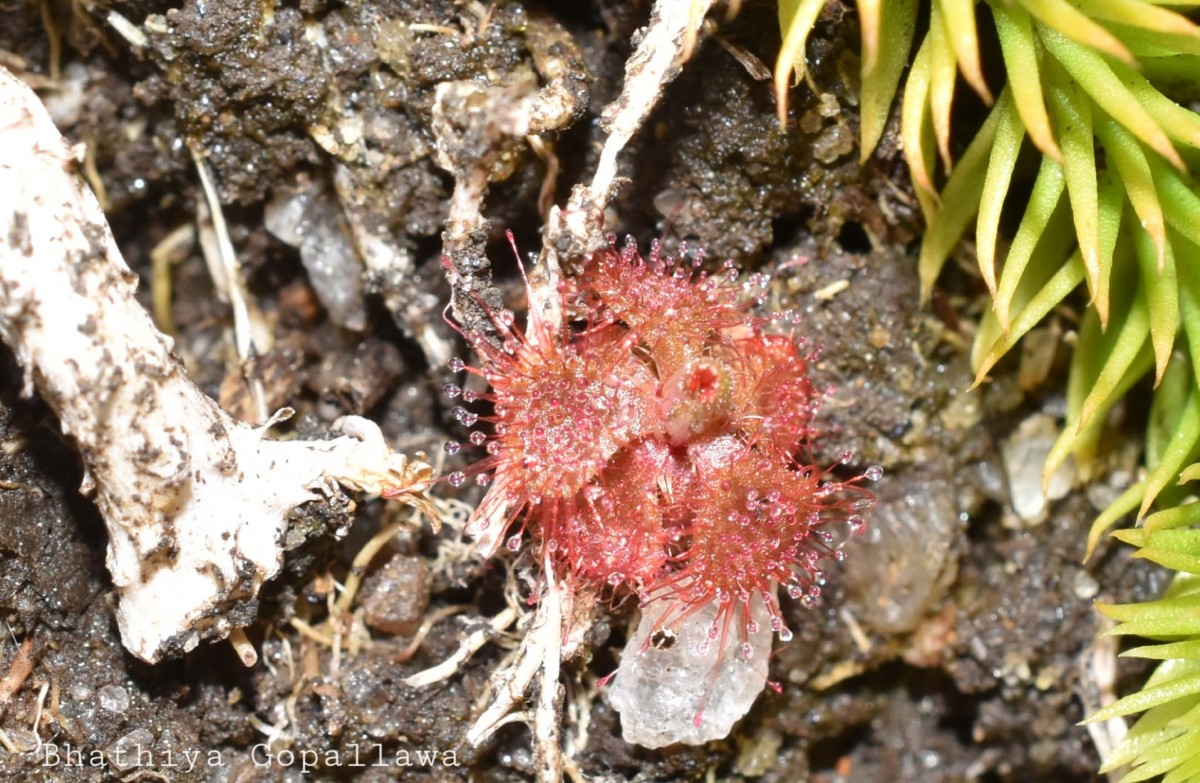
{"x": 195, "y": 501}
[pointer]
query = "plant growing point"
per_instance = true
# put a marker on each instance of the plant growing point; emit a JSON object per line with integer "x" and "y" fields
{"x": 657, "y": 442}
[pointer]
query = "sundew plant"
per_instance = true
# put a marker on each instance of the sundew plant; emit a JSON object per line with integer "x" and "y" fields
{"x": 1106, "y": 93}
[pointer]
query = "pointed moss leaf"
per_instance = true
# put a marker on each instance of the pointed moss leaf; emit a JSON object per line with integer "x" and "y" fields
{"x": 1186, "y": 772}
{"x": 1120, "y": 346}
{"x": 796, "y": 20}
{"x": 1035, "y": 228}
{"x": 1087, "y": 449}
{"x": 1175, "y": 540}
{"x": 1180, "y": 124}
{"x": 1147, "y": 698}
{"x": 1189, "y": 719}
{"x": 882, "y": 72}
{"x": 960, "y": 200}
{"x": 870, "y": 17}
{"x": 1126, "y": 503}
{"x": 1150, "y": 731}
{"x": 1182, "y": 585}
{"x": 1112, "y": 200}
{"x": 1148, "y": 16}
{"x": 988, "y": 341}
{"x": 1072, "y": 115}
{"x": 1163, "y": 652}
{"x": 1015, "y": 30}
{"x": 959, "y": 16}
{"x": 1149, "y": 43}
{"x": 1003, "y": 159}
{"x": 1165, "y": 757}
{"x": 1131, "y": 748}
{"x": 1086, "y": 363}
{"x": 1162, "y": 295}
{"x": 1133, "y": 536}
{"x": 1180, "y": 203}
{"x": 1046, "y": 298}
{"x": 1176, "y": 561}
{"x": 1096, "y": 77}
{"x": 914, "y": 121}
{"x": 1081, "y": 440}
{"x": 1071, "y": 22}
{"x": 1182, "y": 448}
{"x": 1190, "y": 473}
{"x": 1171, "y": 518}
{"x": 1165, "y": 619}
{"x": 1171, "y": 671}
{"x": 1130, "y": 160}
{"x": 943, "y": 72}
{"x": 1188, "y": 270}
{"x": 1166, "y": 409}
{"x": 1128, "y": 359}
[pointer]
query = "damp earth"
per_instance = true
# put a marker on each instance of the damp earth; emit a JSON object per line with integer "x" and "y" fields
{"x": 956, "y": 642}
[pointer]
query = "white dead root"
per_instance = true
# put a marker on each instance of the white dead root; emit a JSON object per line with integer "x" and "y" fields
{"x": 194, "y": 501}
{"x": 665, "y": 45}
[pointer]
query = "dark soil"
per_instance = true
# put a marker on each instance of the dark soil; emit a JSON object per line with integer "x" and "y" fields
{"x": 952, "y": 644}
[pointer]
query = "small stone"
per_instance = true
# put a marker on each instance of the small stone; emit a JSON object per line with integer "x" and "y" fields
{"x": 659, "y": 690}
{"x": 901, "y": 568}
{"x": 396, "y": 596}
{"x": 1085, "y": 586}
{"x": 1024, "y": 454}
{"x": 113, "y": 698}
{"x": 126, "y": 753}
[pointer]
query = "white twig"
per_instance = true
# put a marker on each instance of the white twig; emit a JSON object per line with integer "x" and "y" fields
{"x": 466, "y": 648}
{"x": 1098, "y": 678}
{"x": 547, "y": 717}
{"x": 195, "y": 502}
{"x": 250, "y": 337}
{"x": 512, "y": 683}
{"x": 665, "y": 45}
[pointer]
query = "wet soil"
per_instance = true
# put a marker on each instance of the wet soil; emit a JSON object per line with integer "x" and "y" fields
{"x": 955, "y": 643}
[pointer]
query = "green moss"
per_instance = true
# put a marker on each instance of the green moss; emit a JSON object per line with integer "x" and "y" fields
{"x": 1115, "y": 206}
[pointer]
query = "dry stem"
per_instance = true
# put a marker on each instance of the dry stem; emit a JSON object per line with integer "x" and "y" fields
{"x": 195, "y": 502}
